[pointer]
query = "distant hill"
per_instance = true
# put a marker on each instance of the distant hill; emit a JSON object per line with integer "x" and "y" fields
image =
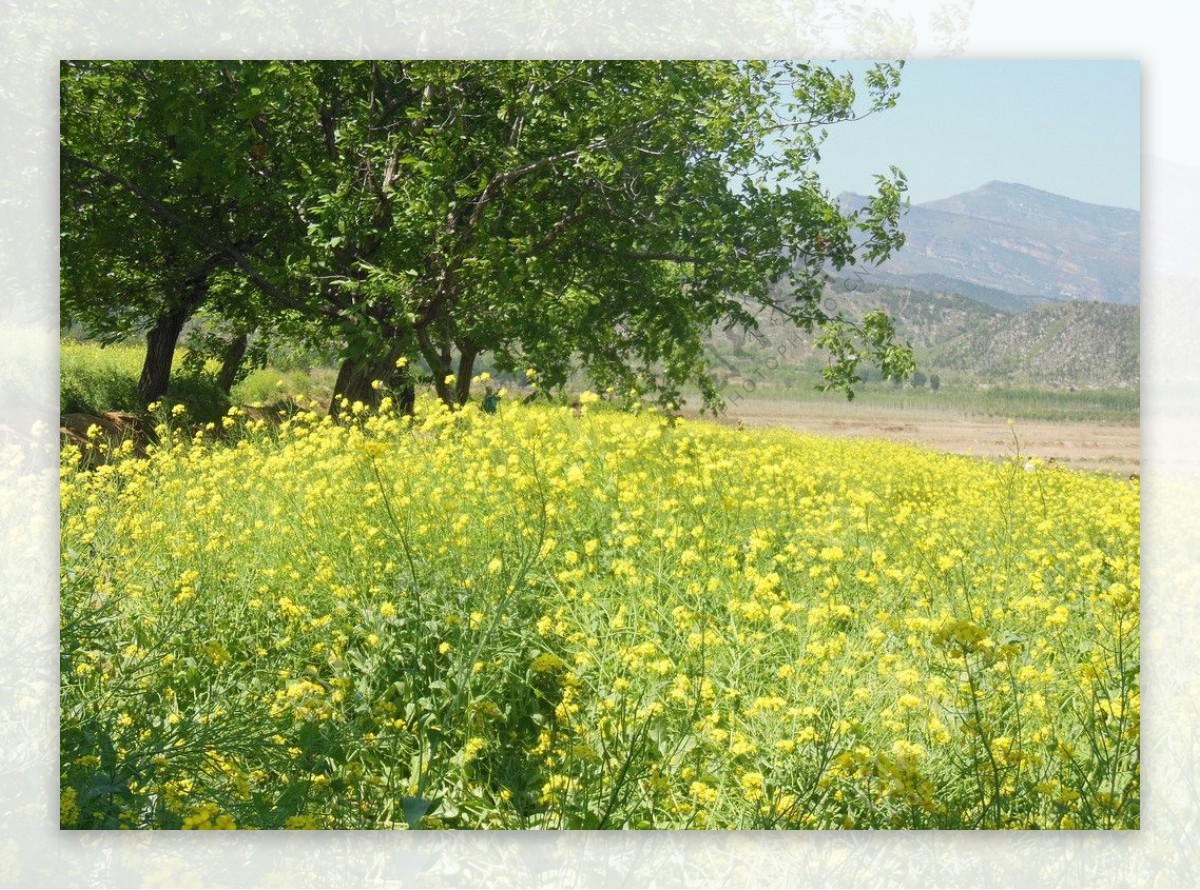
{"x": 1082, "y": 344}
{"x": 1072, "y": 344}
{"x": 1019, "y": 244}
{"x": 930, "y": 282}
{"x": 926, "y": 320}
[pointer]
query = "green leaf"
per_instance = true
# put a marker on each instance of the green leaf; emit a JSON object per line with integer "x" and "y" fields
{"x": 415, "y": 809}
{"x": 612, "y": 236}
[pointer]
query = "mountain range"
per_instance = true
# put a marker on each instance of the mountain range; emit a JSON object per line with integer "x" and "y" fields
{"x": 1015, "y": 247}
{"x": 1004, "y": 285}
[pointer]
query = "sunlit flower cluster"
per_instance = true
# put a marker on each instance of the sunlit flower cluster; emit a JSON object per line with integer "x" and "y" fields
{"x": 546, "y": 617}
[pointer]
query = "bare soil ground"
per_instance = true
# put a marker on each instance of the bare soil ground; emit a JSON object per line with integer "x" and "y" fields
{"x": 1103, "y": 447}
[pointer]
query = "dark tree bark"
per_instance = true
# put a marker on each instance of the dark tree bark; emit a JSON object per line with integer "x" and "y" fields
{"x": 402, "y": 384}
{"x": 354, "y": 383}
{"x": 356, "y": 376}
{"x": 160, "y": 353}
{"x": 231, "y": 362}
{"x": 468, "y": 351}
{"x": 164, "y": 336}
{"x": 408, "y": 399}
{"x": 439, "y": 364}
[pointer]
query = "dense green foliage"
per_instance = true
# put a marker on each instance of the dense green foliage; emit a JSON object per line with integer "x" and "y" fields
{"x": 548, "y": 213}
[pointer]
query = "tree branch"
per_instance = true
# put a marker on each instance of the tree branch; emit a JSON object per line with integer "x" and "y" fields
{"x": 500, "y": 180}
{"x": 555, "y": 232}
{"x": 647, "y": 256}
{"x": 182, "y": 226}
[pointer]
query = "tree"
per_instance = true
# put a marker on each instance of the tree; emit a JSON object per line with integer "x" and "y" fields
{"x": 120, "y": 271}
{"x": 918, "y": 379}
{"x": 164, "y": 181}
{"x": 607, "y": 214}
{"x": 935, "y": 382}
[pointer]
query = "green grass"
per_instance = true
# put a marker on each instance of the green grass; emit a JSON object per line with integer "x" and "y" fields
{"x": 94, "y": 379}
{"x": 1112, "y": 406}
{"x": 265, "y": 386}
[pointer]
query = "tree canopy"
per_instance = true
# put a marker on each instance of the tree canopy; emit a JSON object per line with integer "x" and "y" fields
{"x": 596, "y": 214}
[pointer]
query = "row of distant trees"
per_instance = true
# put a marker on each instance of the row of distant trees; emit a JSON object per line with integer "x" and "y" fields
{"x": 917, "y": 379}
{"x": 553, "y": 214}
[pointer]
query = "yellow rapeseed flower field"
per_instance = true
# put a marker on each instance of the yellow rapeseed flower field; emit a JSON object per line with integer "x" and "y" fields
{"x": 557, "y": 618}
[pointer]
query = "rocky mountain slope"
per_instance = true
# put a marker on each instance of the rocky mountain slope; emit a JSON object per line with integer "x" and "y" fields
{"x": 1022, "y": 243}
{"x": 1084, "y": 345}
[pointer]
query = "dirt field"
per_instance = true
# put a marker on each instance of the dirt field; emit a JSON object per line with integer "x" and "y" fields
{"x": 1111, "y": 448}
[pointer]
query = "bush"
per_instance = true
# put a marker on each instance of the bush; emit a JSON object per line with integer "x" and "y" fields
{"x": 200, "y": 393}
{"x": 267, "y": 386}
{"x": 94, "y": 379}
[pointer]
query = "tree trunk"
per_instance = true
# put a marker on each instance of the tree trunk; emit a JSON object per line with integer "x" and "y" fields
{"x": 466, "y": 366}
{"x": 164, "y": 336}
{"x": 160, "y": 353}
{"x": 231, "y": 363}
{"x": 439, "y": 364}
{"x": 401, "y": 383}
{"x": 355, "y": 378}
{"x": 408, "y": 399}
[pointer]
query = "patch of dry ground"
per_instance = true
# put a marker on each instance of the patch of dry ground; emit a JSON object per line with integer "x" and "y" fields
{"x": 1104, "y": 447}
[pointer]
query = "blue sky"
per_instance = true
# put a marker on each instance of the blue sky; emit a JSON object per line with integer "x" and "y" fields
{"x": 1069, "y": 127}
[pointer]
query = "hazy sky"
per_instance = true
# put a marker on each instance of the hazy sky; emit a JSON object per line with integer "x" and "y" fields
{"x": 1069, "y": 127}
